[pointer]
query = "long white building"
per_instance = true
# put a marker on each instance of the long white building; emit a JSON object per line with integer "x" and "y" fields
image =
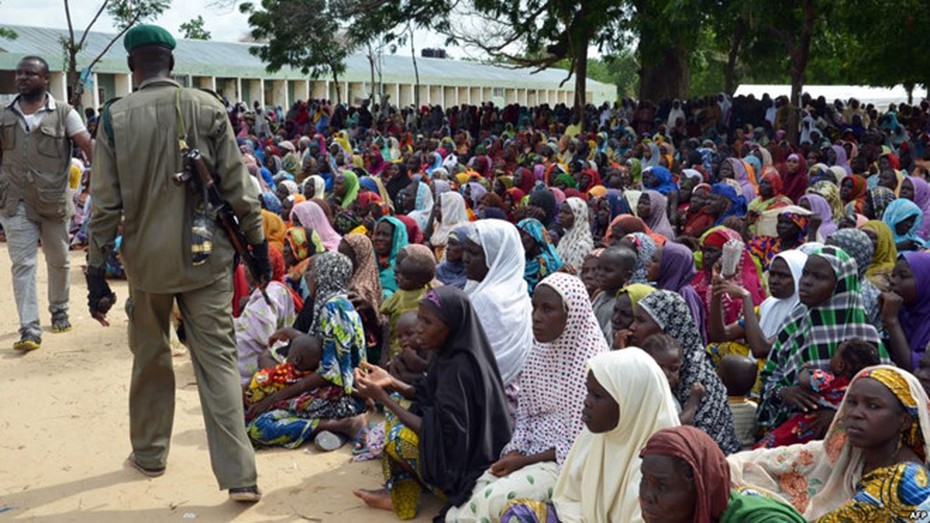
{"x": 229, "y": 68}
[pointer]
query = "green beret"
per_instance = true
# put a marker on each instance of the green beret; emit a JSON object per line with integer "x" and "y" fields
{"x": 144, "y": 35}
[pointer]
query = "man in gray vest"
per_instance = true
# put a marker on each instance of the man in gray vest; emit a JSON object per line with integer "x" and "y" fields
{"x": 36, "y": 133}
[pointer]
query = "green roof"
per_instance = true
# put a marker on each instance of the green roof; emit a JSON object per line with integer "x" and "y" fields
{"x": 233, "y": 59}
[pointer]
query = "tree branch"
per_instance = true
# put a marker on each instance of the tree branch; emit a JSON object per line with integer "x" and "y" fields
{"x": 91, "y": 24}
{"x": 70, "y": 27}
{"x": 113, "y": 41}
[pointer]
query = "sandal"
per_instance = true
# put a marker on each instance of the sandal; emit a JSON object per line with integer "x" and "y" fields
{"x": 360, "y": 442}
{"x": 147, "y": 472}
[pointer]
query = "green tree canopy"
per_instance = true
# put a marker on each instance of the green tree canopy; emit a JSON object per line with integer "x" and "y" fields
{"x": 194, "y": 29}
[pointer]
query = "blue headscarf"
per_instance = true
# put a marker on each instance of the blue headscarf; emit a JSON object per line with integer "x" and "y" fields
{"x": 547, "y": 261}
{"x": 900, "y": 210}
{"x": 664, "y": 181}
{"x": 369, "y": 183}
{"x": 737, "y": 201}
{"x": 271, "y": 202}
{"x": 386, "y": 271}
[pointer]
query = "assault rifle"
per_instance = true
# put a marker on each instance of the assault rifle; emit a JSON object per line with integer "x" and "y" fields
{"x": 196, "y": 169}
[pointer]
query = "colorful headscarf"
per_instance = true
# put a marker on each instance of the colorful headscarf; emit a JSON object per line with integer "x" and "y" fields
{"x": 386, "y": 266}
{"x": 645, "y": 248}
{"x": 547, "y": 261}
{"x": 737, "y": 201}
{"x": 886, "y": 252}
{"x": 311, "y": 216}
{"x": 577, "y": 242}
{"x": 880, "y": 198}
{"x": 670, "y": 312}
{"x": 831, "y": 194}
{"x": 350, "y": 180}
{"x": 810, "y": 335}
{"x": 331, "y": 274}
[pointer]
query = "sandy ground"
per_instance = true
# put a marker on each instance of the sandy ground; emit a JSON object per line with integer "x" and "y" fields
{"x": 64, "y": 437}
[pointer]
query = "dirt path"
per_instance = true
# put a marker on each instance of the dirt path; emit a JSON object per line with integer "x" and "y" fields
{"x": 64, "y": 436}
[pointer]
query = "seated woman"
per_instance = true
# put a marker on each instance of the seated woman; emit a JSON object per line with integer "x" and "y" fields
{"x": 577, "y": 241}
{"x": 685, "y": 479}
{"x": 494, "y": 263}
{"x": 885, "y": 254}
{"x": 792, "y": 229}
{"x": 458, "y": 422}
{"x": 624, "y": 310}
{"x": 451, "y": 270}
{"x": 300, "y": 245}
{"x": 549, "y": 403}
{"x": 672, "y": 269}
{"x": 747, "y": 276}
{"x": 832, "y": 313}
{"x": 260, "y": 319}
{"x": 390, "y": 236}
{"x": 365, "y": 287}
{"x": 645, "y": 248}
{"x": 906, "y": 308}
{"x": 541, "y": 257}
{"x": 311, "y": 216}
{"x": 905, "y": 218}
{"x": 324, "y": 402}
{"x": 652, "y": 208}
{"x": 858, "y": 245}
{"x": 452, "y": 214}
{"x": 870, "y": 467}
{"x": 628, "y": 401}
{"x": 758, "y": 330}
{"x": 666, "y": 312}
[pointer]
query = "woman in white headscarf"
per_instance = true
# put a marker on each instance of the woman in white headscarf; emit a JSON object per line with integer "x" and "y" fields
{"x": 495, "y": 262}
{"x": 577, "y": 242}
{"x": 423, "y": 205}
{"x": 452, "y": 213}
{"x": 600, "y": 478}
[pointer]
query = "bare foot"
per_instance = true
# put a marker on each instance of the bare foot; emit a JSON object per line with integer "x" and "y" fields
{"x": 348, "y": 427}
{"x": 380, "y": 498}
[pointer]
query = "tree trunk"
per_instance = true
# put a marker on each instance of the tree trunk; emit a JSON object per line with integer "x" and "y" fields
{"x": 371, "y": 65}
{"x": 338, "y": 90}
{"x": 416, "y": 71}
{"x": 799, "y": 56}
{"x": 730, "y": 71}
{"x": 74, "y": 79}
{"x": 909, "y": 87}
{"x": 668, "y": 77}
{"x": 581, "y": 77}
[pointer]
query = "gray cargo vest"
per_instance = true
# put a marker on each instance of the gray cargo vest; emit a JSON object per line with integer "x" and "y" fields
{"x": 35, "y": 165}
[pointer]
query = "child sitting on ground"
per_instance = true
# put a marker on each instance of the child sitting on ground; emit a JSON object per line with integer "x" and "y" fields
{"x": 410, "y": 363}
{"x": 819, "y": 393}
{"x": 281, "y": 382}
{"x": 738, "y": 374}
{"x": 666, "y": 351}
{"x": 614, "y": 269}
{"x": 415, "y": 270}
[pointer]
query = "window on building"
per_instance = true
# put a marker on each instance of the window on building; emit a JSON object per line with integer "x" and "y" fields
{"x": 498, "y": 91}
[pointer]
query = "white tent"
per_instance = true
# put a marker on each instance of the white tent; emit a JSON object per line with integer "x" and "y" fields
{"x": 881, "y": 97}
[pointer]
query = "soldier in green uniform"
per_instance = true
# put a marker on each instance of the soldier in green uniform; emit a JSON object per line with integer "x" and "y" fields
{"x": 137, "y": 153}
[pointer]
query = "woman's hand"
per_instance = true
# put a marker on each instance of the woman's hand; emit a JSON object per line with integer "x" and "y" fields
{"x": 361, "y": 305}
{"x": 366, "y": 388}
{"x": 799, "y": 397}
{"x": 697, "y": 391}
{"x": 285, "y": 334}
{"x": 823, "y": 418}
{"x": 511, "y": 462}
{"x": 731, "y": 289}
{"x": 890, "y": 304}
{"x": 622, "y": 339}
{"x": 259, "y": 408}
{"x": 376, "y": 375}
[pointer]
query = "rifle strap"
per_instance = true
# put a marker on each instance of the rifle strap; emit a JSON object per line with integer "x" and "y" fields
{"x": 182, "y": 132}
